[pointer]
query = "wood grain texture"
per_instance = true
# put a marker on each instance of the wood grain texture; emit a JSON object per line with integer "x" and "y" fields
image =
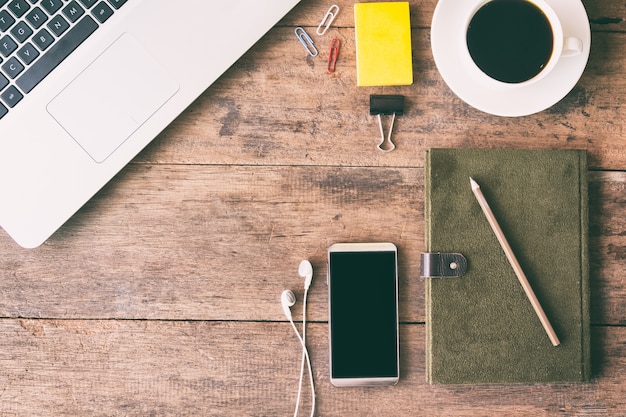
{"x": 222, "y": 242}
{"x": 211, "y": 242}
{"x": 244, "y": 118}
{"x": 161, "y": 296}
{"x": 138, "y": 368}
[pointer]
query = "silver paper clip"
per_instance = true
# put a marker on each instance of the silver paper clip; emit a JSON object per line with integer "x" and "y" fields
{"x": 327, "y": 20}
{"x": 306, "y": 40}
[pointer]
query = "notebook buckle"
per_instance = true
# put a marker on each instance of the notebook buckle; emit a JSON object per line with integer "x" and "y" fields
{"x": 443, "y": 265}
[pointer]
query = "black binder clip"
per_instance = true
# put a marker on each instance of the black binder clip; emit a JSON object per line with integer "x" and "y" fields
{"x": 386, "y": 105}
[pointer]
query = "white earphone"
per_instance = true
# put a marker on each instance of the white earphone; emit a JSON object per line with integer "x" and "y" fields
{"x": 305, "y": 269}
{"x": 287, "y": 300}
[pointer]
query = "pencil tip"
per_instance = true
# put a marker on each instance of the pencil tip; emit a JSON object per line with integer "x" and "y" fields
{"x": 474, "y": 184}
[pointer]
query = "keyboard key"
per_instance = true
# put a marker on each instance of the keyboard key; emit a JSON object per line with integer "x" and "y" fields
{"x": 21, "y": 32}
{"x": 117, "y": 3}
{"x": 11, "y": 96}
{"x": 3, "y": 111}
{"x": 102, "y": 12}
{"x": 28, "y": 53}
{"x": 7, "y": 46}
{"x": 88, "y": 3}
{"x": 58, "y": 25}
{"x": 6, "y": 20}
{"x": 36, "y": 17}
{"x": 43, "y": 39}
{"x": 12, "y": 67}
{"x": 52, "y": 6}
{"x": 56, "y": 54}
{"x": 19, "y": 7}
{"x": 73, "y": 11}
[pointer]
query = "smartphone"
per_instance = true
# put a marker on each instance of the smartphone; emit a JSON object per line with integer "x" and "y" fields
{"x": 363, "y": 314}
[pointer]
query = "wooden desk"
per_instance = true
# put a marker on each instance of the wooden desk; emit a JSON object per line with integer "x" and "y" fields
{"x": 162, "y": 295}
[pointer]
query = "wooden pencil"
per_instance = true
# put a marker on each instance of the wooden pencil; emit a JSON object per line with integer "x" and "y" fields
{"x": 514, "y": 263}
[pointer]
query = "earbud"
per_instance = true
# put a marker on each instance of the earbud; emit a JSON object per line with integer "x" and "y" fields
{"x": 306, "y": 271}
{"x": 287, "y": 299}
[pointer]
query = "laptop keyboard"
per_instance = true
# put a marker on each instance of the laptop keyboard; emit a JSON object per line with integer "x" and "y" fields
{"x": 37, "y": 35}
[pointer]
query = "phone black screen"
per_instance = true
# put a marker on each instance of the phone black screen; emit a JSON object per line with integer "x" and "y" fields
{"x": 363, "y": 314}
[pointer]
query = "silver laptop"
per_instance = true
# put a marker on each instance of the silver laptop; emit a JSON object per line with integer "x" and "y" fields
{"x": 87, "y": 84}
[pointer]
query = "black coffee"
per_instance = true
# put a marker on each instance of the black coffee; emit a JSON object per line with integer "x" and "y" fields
{"x": 510, "y": 40}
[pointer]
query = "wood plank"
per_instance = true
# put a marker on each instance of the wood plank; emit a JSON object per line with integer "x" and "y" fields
{"x": 222, "y": 242}
{"x": 181, "y": 242}
{"x": 77, "y": 367}
{"x": 603, "y": 15}
{"x": 607, "y": 199}
{"x": 277, "y": 106}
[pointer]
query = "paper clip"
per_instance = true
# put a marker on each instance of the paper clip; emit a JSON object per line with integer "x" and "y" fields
{"x": 327, "y": 20}
{"x": 388, "y": 105}
{"x": 306, "y": 40}
{"x": 335, "y": 44}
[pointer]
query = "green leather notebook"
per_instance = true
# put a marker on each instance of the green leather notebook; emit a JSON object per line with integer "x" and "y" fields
{"x": 481, "y": 327}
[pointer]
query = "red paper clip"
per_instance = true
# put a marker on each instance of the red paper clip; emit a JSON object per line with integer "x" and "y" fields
{"x": 335, "y": 44}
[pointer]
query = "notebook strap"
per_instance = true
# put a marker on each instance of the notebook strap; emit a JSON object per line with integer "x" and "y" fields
{"x": 443, "y": 265}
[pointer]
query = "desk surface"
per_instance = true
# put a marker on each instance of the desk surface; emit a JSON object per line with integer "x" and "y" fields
{"x": 162, "y": 295}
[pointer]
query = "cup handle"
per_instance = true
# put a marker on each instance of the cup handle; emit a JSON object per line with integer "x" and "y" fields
{"x": 572, "y": 47}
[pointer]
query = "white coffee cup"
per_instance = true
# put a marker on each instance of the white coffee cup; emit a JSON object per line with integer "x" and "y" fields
{"x": 563, "y": 46}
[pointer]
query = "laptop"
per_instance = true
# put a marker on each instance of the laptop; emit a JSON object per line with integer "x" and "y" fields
{"x": 85, "y": 85}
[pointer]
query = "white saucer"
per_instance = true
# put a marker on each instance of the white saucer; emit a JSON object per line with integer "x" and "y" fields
{"x": 450, "y": 18}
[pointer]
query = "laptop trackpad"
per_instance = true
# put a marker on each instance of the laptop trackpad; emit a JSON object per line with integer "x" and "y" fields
{"x": 113, "y": 97}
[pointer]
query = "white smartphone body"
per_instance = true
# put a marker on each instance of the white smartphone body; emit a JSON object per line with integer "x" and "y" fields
{"x": 363, "y": 314}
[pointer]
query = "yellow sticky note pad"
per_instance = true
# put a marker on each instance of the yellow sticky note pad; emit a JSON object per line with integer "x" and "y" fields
{"x": 383, "y": 44}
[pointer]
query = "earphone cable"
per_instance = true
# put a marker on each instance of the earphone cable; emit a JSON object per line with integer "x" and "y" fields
{"x": 303, "y": 340}
{"x": 306, "y": 292}
{"x": 308, "y": 359}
